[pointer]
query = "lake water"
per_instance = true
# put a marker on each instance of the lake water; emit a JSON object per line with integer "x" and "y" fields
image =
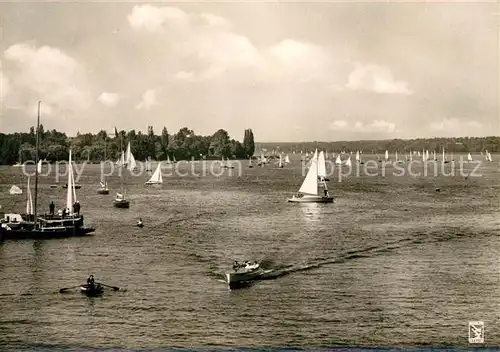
{"x": 392, "y": 262}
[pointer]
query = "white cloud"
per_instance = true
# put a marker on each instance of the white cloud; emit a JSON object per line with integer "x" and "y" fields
{"x": 213, "y": 20}
{"x": 455, "y": 125}
{"x": 339, "y": 125}
{"x": 183, "y": 75}
{"x": 377, "y": 79}
{"x": 50, "y": 75}
{"x": 148, "y": 100}
{"x": 156, "y": 19}
{"x": 376, "y": 126}
{"x": 109, "y": 99}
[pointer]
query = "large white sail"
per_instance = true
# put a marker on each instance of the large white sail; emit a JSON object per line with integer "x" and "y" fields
{"x": 321, "y": 165}
{"x": 287, "y": 159}
{"x": 69, "y": 194}
{"x": 29, "y": 203}
{"x": 310, "y": 184}
{"x": 444, "y": 156}
{"x": 39, "y": 166}
{"x": 131, "y": 164}
{"x": 156, "y": 178}
{"x": 386, "y": 155}
{"x": 469, "y": 157}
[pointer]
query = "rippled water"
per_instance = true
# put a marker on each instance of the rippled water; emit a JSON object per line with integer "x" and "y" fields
{"x": 391, "y": 262}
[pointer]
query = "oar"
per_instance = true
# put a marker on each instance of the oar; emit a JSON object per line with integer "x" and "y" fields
{"x": 113, "y": 287}
{"x": 62, "y": 290}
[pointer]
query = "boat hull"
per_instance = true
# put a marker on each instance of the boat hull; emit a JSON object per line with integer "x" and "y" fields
{"x": 235, "y": 278}
{"x": 103, "y": 191}
{"x": 124, "y": 204}
{"x": 310, "y": 199}
{"x": 45, "y": 233}
{"x": 91, "y": 292}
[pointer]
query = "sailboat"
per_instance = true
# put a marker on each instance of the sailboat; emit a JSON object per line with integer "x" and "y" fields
{"x": 250, "y": 165}
{"x": 338, "y": 161}
{"x": 67, "y": 224}
{"x": 287, "y": 159}
{"x": 14, "y": 190}
{"x": 120, "y": 201}
{"x": 104, "y": 184}
{"x": 488, "y": 156}
{"x": 444, "y": 158}
{"x": 280, "y": 162}
{"x": 156, "y": 178}
{"x": 229, "y": 164}
{"x": 348, "y": 162}
{"x": 129, "y": 159}
{"x": 321, "y": 166}
{"x": 469, "y": 157}
{"x": 386, "y": 155}
{"x": 358, "y": 157}
{"x": 308, "y": 192}
{"x": 148, "y": 165}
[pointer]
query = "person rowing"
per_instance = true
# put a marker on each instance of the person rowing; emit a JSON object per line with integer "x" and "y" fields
{"x": 139, "y": 223}
{"x": 90, "y": 281}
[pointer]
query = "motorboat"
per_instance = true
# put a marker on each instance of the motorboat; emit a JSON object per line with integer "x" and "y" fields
{"x": 92, "y": 290}
{"x": 244, "y": 272}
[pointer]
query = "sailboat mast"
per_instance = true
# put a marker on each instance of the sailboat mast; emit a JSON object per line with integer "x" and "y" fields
{"x": 36, "y": 159}
{"x": 121, "y": 171}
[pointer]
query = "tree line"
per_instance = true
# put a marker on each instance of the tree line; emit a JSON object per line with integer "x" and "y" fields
{"x": 456, "y": 145}
{"x": 183, "y": 145}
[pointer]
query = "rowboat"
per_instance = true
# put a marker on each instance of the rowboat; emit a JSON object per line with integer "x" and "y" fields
{"x": 90, "y": 291}
{"x": 243, "y": 273}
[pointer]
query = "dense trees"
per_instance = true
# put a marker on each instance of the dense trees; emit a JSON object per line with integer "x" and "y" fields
{"x": 248, "y": 143}
{"x": 183, "y": 145}
{"x": 456, "y": 145}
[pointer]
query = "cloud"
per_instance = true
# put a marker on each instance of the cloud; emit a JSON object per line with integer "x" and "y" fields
{"x": 455, "y": 126}
{"x": 376, "y": 126}
{"x": 148, "y": 100}
{"x": 339, "y": 125}
{"x": 50, "y": 75}
{"x": 109, "y": 99}
{"x": 184, "y": 76}
{"x": 377, "y": 79}
{"x": 155, "y": 19}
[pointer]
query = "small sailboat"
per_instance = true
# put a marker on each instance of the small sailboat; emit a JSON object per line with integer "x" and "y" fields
{"x": 140, "y": 223}
{"x": 358, "y": 157}
{"x": 338, "y": 161}
{"x": 280, "y": 162}
{"x": 308, "y": 192}
{"x": 120, "y": 201}
{"x": 469, "y": 157}
{"x": 229, "y": 164}
{"x": 104, "y": 188}
{"x": 488, "y": 156}
{"x": 156, "y": 178}
{"x": 250, "y": 165}
{"x": 386, "y": 155}
{"x": 348, "y": 162}
{"x": 444, "y": 158}
{"x": 14, "y": 190}
{"x": 148, "y": 165}
{"x": 287, "y": 159}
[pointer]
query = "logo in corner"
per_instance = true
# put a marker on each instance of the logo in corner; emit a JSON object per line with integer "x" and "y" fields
{"x": 476, "y": 332}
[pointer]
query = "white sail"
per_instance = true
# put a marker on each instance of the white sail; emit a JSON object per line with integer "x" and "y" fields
{"x": 489, "y": 156}
{"x": 418, "y": 153}
{"x": 131, "y": 164}
{"x": 287, "y": 159}
{"x": 15, "y": 190}
{"x": 69, "y": 194}
{"x": 427, "y": 154}
{"x": 424, "y": 158}
{"x": 386, "y": 155}
{"x": 39, "y": 166}
{"x": 168, "y": 160}
{"x": 434, "y": 155}
{"x": 127, "y": 153}
{"x": 229, "y": 165}
{"x": 348, "y": 161}
{"x": 156, "y": 178}
{"x": 310, "y": 184}
{"x": 396, "y": 156}
{"x": 321, "y": 165}
{"x": 338, "y": 161}
{"x": 444, "y": 156}
{"x": 469, "y": 157}
{"x": 280, "y": 162}
{"x": 411, "y": 156}
{"x": 358, "y": 158}
{"x": 29, "y": 203}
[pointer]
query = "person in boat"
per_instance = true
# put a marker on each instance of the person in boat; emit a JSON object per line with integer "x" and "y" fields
{"x": 326, "y": 193}
{"x": 299, "y": 195}
{"x": 236, "y": 265}
{"x": 63, "y": 212}
{"x": 52, "y": 207}
{"x": 76, "y": 208}
{"x": 90, "y": 281}
{"x": 139, "y": 222}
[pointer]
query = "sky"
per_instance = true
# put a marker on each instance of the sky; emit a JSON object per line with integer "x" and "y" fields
{"x": 290, "y": 71}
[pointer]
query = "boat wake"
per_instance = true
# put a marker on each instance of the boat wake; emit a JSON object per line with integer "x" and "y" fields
{"x": 273, "y": 271}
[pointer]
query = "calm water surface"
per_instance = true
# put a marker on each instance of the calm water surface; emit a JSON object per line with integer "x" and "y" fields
{"x": 391, "y": 262}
